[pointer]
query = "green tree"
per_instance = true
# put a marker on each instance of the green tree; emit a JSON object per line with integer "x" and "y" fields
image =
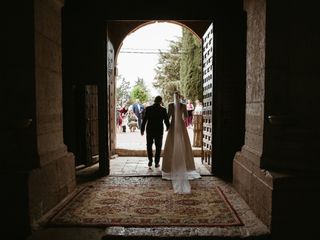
{"x": 191, "y": 66}
{"x": 122, "y": 91}
{"x": 140, "y": 91}
{"x": 167, "y": 71}
{"x": 180, "y": 68}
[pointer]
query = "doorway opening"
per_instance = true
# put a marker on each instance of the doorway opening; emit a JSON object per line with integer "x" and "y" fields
{"x": 145, "y": 47}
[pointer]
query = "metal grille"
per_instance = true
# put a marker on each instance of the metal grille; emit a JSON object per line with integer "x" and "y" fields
{"x": 208, "y": 59}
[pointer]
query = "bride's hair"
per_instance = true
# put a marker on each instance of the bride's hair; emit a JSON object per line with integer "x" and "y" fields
{"x": 177, "y": 92}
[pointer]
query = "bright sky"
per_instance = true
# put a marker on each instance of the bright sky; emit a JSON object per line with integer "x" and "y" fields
{"x": 146, "y": 39}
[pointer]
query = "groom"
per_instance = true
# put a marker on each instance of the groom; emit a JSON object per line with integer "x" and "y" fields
{"x": 154, "y": 117}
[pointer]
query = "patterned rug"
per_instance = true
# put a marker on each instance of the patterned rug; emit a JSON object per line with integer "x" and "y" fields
{"x": 147, "y": 202}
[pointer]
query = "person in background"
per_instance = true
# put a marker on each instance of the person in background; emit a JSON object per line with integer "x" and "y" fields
{"x": 197, "y": 122}
{"x": 190, "y": 109}
{"x": 123, "y": 112}
{"x": 132, "y": 121}
{"x": 138, "y": 110}
{"x": 118, "y": 120}
{"x": 198, "y": 108}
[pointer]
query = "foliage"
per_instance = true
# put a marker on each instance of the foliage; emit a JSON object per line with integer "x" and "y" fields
{"x": 191, "y": 66}
{"x": 140, "y": 91}
{"x": 122, "y": 91}
{"x": 180, "y": 68}
{"x": 167, "y": 72}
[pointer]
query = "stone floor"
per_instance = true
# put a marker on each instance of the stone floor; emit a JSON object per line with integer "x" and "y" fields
{"x": 125, "y": 166}
{"x": 134, "y": 140}
{"x": 133, "y": 144}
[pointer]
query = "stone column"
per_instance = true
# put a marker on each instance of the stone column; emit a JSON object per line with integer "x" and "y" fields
{"x": 277, "y": 170}
{"x": 254, "y": 184}
{"x": 55, "y": 177}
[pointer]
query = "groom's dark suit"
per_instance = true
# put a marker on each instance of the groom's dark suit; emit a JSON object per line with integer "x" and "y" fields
{"x": 154, "y": 117}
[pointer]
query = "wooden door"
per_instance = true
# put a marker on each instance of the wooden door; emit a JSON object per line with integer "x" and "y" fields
{"x": 92, "y": 127}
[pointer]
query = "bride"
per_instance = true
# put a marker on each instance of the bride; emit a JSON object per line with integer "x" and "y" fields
{"x": 177, "y": 163}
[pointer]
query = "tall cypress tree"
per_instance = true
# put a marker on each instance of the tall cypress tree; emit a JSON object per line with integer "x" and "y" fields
{"x": 191, "y": 66}
{"x": 181, "y": 68}
{"x": 168, "y": 71}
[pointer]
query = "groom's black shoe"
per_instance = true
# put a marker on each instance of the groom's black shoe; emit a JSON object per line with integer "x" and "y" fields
{"x": 157, "y": 165}
{"x": 149, "y": 164}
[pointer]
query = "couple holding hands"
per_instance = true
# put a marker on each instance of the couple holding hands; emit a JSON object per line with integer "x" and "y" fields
{"x": 177, "y": 163}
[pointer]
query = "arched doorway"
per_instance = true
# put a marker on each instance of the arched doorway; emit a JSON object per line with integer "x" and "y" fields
{"x": 141, "y": 57}
{"x": 213, "y": 98}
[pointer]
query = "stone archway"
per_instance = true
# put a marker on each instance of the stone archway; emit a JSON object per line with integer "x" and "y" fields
{"x": 128, "y": 28}
{"x": 230, "y": 125}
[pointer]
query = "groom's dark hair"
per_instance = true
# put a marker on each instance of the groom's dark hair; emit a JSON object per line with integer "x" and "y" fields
{"x": 158, "y": 99}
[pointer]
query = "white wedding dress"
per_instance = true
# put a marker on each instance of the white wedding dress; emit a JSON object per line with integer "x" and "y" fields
{"x": 178, "y": 163}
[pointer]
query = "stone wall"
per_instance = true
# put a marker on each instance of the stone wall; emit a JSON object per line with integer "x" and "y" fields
{"x": 55, "y": 177}
{"x": 276, "y": 171}
{"x": 254, "y": 184}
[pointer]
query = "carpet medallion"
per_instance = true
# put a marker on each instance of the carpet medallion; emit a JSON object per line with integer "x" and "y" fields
{"x": 147, "y": 202}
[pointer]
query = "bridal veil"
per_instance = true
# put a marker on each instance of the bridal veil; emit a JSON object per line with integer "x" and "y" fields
{"x": 179, "y": 175}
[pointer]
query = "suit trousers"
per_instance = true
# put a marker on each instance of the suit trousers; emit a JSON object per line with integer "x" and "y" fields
{"x": 157, "y": 139}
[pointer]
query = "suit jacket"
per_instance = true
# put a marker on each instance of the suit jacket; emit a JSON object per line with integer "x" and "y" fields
{"x": 153, "y": 118}
{"x": 135, "y": 109}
